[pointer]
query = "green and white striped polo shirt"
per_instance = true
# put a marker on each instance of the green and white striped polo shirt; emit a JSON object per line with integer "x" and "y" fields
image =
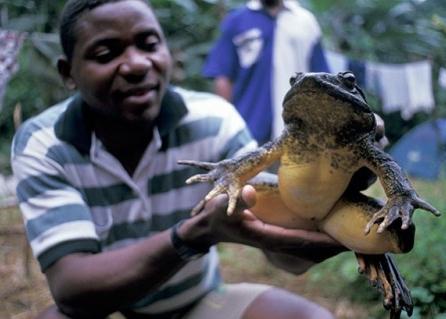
{"x": 76, "y": 197}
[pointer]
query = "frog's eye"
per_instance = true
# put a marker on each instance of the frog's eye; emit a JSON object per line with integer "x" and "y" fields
{"x": 294, "y": 78}
{"x": 349, "y": 79}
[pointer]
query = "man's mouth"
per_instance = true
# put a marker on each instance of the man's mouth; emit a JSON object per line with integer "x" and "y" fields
{"x": 140, "y": 90}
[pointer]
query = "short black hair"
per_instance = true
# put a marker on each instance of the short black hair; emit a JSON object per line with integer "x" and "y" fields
{"x": 71, "y": 13}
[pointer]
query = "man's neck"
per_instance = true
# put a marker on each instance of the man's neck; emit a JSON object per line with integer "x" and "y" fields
{"x": 126, "y": 141}
{"x": 274, "y": 10}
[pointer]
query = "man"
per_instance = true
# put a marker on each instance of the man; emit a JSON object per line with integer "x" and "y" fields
{"x": 106, "y": 208}
{"x": 260, "y": 47}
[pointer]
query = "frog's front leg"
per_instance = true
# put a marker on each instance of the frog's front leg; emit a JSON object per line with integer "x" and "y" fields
{"x": 402, "y": 199}
{"x": 230, "y": 175}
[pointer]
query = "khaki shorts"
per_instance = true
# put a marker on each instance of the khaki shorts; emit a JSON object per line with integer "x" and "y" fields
{"x": 229, "y": 301}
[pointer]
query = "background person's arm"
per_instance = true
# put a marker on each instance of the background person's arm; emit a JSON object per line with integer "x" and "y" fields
{"x": 223, "y": 87}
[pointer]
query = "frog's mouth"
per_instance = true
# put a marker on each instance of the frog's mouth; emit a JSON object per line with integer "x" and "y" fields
{"x": 322, "y": 84}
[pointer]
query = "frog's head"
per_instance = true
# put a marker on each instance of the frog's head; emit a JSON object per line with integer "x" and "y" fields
{"x": 333, "y": 101}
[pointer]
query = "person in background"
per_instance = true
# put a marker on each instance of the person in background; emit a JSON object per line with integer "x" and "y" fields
{"x": 261, "y": 45}
{"x": 105, "y": 205}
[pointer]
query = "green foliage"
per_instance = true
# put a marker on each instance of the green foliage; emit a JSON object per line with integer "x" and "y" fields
{"x": 424, "y": 268}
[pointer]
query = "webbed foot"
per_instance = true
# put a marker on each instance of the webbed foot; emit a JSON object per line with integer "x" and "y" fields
{"x": 223, "y": 176}
{"x": 382, "y": 273}
{"x": 399, "y": 207}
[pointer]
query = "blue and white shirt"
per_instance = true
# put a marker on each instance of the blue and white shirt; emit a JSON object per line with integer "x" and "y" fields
{"x": 76, "y": 197}
{"x": 260, "y": 54}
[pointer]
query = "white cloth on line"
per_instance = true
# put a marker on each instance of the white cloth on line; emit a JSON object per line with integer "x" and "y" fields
{"x": 406, "y": 87}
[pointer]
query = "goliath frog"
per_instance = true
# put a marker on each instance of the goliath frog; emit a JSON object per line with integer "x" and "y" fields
{"x": 330, "y": 135}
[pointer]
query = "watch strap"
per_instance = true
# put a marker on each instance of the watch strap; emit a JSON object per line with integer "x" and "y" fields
{"x": 185, "y": 251}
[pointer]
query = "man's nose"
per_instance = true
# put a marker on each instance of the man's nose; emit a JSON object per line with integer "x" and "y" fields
{"x": 135, "y": 62}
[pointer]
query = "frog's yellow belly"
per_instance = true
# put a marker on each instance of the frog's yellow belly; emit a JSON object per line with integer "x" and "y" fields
{"x": 311, "y": 189}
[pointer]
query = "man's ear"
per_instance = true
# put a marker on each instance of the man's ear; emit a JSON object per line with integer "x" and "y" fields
{"x": 64, "y": 68}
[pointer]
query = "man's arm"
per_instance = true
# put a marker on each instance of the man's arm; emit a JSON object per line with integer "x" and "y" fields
{"x": 301, "y": 261}
{"x": 223, "y": 87}
{"x": 98, "y": 284}
{"x": 104, "y": 282}
{"x": 289, "y": 263}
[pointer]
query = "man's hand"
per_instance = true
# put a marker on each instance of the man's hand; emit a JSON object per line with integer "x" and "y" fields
{"x": 212, "y": 225}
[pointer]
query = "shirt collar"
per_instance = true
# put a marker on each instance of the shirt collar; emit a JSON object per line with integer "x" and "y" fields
{"x": 74, "y": 125}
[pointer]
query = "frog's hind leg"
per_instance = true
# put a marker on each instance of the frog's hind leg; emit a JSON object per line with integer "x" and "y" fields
{"x": 346, "y": 222}
{"x": 347, "y": 219}
{"x": 383, "y": 273}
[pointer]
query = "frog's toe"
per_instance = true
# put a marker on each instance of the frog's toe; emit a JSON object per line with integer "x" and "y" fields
{"x": 392, "y": 214}
{"x": 233, "y": 193}
{"x": 200, "y": 178}
{"x": 204, "y": 165}
{"x": 379, "y": 215}
{"x": 217, "y": 190}
{"x": 404, "y": 211}
{"x": 420, "y": 203}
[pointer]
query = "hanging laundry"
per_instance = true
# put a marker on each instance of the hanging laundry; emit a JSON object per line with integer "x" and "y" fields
{"x": 10, "y": 45}
{"x": 419, "y": 79}
{"x": 403, "y": 87}
{"x": 388, "y": 82}
{"x": 442, "y": 77}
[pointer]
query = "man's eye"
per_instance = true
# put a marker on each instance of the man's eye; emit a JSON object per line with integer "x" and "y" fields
{"x": 103, "y": 55}
{"x": 150, "y": 43}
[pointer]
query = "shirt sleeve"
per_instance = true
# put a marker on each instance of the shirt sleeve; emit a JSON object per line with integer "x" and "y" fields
{"x": 318, "y": 62}
{"x": 222, "y": 59}
{"x": 234, "y": 136}
{"x": 57, "y": 220}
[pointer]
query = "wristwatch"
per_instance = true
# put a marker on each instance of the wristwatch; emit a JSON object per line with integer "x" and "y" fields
{"x": 185, "y": 251}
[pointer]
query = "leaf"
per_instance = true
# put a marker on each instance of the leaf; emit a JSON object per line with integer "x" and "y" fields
{"x": 422, "y": 294}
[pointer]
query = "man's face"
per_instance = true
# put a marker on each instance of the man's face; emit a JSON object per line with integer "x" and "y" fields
{"x": 121, "y": 63}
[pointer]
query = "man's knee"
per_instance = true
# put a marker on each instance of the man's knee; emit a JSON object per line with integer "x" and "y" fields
{"x": 281, "y": 304}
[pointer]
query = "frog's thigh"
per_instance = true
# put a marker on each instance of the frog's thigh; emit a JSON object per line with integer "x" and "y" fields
{"x": 346, "y": 223}
{"x": 271, "y": 209}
